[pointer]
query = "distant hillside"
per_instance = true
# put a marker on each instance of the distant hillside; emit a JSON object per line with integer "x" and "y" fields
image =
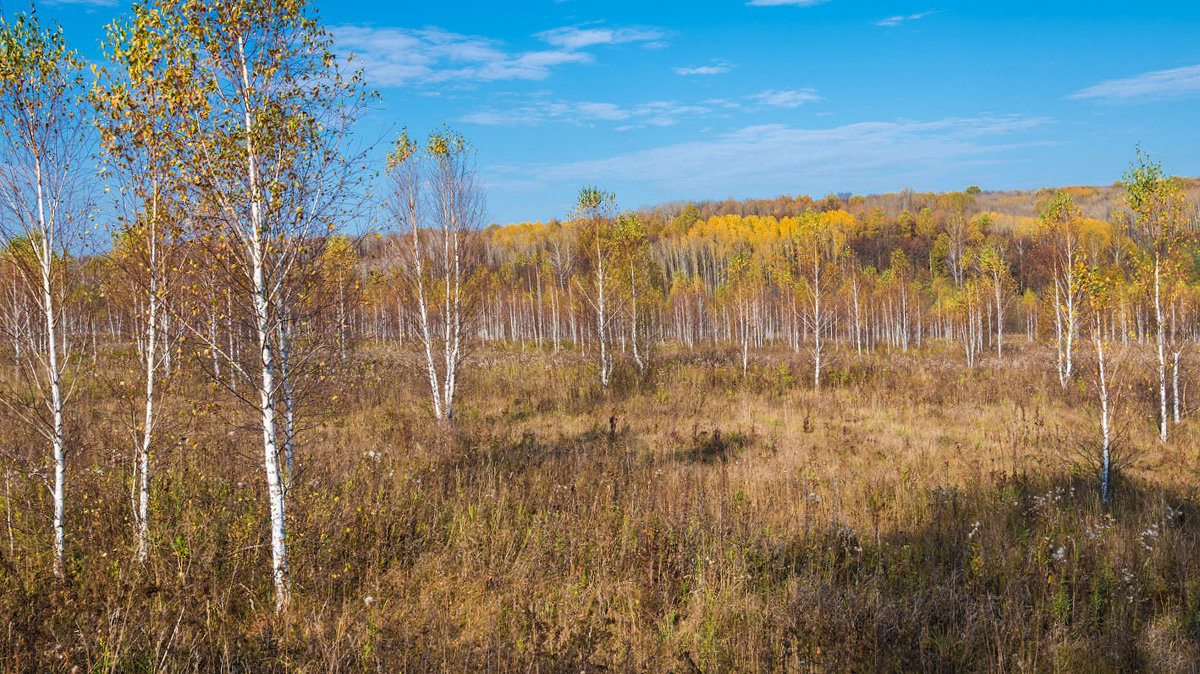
{"x": 1096, "y": 202}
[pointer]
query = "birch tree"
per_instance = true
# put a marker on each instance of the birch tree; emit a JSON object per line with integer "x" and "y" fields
{"x": 741, "y": 288}
{"x": 437, "y": 204}
{"x": 339, "y": 261}
{"x": 957, "y": 232}
{"x": 1180, "y": 337}
{"x": 593, "y": 217}
{"x": 1158, "y": 211}
{"x": 1060, "y": 227}
{"x": 631, "y": 234}
{"x": 900, "y": 275}
{"x": 138, "y": 112}
{"x": 272, "y": 173}
{"x": 969, "y": 302}
{"x": 43, "y": 124}
{"x": 818, "y": 247}
{"x": 994, "y": 267}
{"x": 1099, "y": 286}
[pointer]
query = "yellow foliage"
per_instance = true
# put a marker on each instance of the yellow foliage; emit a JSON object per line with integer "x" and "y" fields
{"x": 1012, "y": 225}
{"x": 727, "y": 231}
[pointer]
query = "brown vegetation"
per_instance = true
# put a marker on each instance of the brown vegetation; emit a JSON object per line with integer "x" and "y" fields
{"x": 853, "y": 433}
{"x": 911, "y": 516}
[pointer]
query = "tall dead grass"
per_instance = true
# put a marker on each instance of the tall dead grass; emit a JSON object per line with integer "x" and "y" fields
{"x": 912, "y": 516}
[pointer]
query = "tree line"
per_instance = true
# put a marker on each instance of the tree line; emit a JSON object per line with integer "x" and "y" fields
{"x": 843, "y": 276}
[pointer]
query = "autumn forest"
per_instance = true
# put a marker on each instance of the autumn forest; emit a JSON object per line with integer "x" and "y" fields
{"x": 275, "y": 396}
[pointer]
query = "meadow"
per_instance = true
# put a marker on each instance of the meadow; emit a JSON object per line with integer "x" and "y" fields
{"x": 911, "y": 516}
{"x": 278, "y": 394}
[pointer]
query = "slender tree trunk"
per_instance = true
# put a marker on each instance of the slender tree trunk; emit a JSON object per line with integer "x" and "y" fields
{"x": 633, "y": 322}
{"x": 262, "y": 308}
{"x": 1058, "y": 335}
{"x": 289, "y": 401}
{"x": 53, "y": 373}
{"x": 426, "y": 336}
{"x": 602, "y": 319}
{"x": 142, "y": 475}
{"x": 1161, "y": 351}
{"x": 1175, "y": 383}
{"x": 1105, "y": 459}
{"x": 816, "y": 322}
{"x": 999, "y": 317}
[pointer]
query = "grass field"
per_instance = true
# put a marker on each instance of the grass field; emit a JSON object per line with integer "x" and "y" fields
{"x": 911, "y": 516}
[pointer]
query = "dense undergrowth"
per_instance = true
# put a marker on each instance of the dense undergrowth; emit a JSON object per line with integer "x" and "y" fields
{"x": 912, "y": 516}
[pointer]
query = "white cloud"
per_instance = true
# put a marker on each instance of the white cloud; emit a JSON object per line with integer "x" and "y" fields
{"x": 1152, "y": 86}
{"x": 788, "y": 98}
{"x": 755, "y": 159}
{"x": 714, "y": 69}
{"x": 780, "y": 3}
{"x": 393, "y": 57}
{"x": 573, "y": 38}
{"x": 538, "y": 112}
{"x": 542, "y": 109}
{"x": 893, "y": 21}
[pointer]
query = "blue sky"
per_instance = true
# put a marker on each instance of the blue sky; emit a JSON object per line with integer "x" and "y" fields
{"x": 661, "y": 100}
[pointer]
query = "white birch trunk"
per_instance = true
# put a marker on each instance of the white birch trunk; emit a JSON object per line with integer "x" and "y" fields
{"x": 262, "y": 316}
{"x": 1160, "y": 339}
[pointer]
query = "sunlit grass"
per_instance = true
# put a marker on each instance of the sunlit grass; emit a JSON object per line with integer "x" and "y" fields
{"x": 914, "y": 518}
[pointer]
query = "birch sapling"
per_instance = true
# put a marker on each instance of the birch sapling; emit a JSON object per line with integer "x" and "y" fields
{"x": 437, "y": 205}
{"x": 43, "y": 129}
{"x": 1159, "y": 211}
{"x": 1099, "y": 286}
{"x": 137, "y": 113}
{"x": 593, "y": 216}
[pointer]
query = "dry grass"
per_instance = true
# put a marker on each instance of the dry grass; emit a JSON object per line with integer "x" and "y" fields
{"x": 909, "y": 517}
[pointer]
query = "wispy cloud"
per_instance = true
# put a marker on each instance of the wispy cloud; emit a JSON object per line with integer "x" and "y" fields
{"x": 893, "y": 21}
{"x": 583, "y": 113}
{"x": 787, "y": 98}
{"x": 393, "y": 57}
{"x": 542, "y": 109}
{"x": 757, "y": 159}
{"x": 713, "y": 69}
{"x": 82, "y": 3}
{"x": 780, "y": 3}
{"x": 580, "y": 37}
{"x": 1158, "y": 85}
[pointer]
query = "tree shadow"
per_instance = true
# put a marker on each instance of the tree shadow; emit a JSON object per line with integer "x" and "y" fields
{"x": 1033, "y": 572}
